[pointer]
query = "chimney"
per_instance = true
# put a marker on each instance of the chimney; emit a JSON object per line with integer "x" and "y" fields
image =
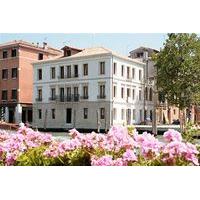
{"x": 44, "y": 45}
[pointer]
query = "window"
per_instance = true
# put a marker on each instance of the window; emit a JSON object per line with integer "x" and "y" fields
{"x": 14, "y": 94}
{"x": 5, "y": 54}
{"x": 114, "y": 113}
{"x": 114, "y": 91}
{"x": 140, "y": 95}
{"x": 140, "y": 115}
{"x": 128, "y": 72}
{"x": 14, "y": 72}
{"x": 114, "y": 68}
{"x": 85, "y": 69}
{"x": 134, "y": 114}
{"x": 14, "y": 53}
{"x": 62, "y": 94}
{"x": 69, "y": 53}
{"x": 102, "y": 113}
{"x": 122, "y": 114}
{"x": 75, "y": 91}
{"x": 140, "y": 74}
{"x": 133, "y": 94}
{"x": 4, "y": 73}
{"x": 68, "y": 91}
{"x": 102, "y": 91}
{"x": 151, "y": 115}
{"x": 39, "y": 74}
{"x": 122, "y": 72}
{"x": 69, "y": 71}
{"x": 150, "y": 94}
{"x": 4, "y": 95}
{"x": 85, "y": 92}
{"x": 39, "y": 94}
{"x": 40, "y": 56}
{"x": 174, "y": 111}
{"x": 75, "y": 70}
{"x": 39, "y": 114}
{"x": 53, "y": 73}
{"x": 53, "y": 93}
{"x": 53, "y": 114}
{"x": 128, "y": 92}
{"x": 85, "y": 113}
{"x": 102, "y": 67}
{"x": 122, "y": 92}
{"x": 62, "y": 72}
{"x": 133, "y": 73}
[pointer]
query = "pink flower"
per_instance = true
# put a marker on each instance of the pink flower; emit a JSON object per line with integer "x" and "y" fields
{"x": 172, "y": 135}
{"x": 129, "y": 156}
{"x": 102, "y": 161}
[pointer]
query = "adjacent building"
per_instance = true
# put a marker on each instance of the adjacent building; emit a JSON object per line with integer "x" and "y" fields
{"x": 87, "y": 89}
{"x": 16, "y": 78}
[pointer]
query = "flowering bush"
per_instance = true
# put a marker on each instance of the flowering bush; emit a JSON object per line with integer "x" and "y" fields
{"x": 119, "y": 147}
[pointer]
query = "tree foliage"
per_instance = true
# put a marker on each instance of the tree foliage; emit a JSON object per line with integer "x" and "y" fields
{"x": 178, "y": 69}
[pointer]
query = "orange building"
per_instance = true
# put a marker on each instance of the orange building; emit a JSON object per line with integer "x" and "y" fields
{"x": 16, "y": 78}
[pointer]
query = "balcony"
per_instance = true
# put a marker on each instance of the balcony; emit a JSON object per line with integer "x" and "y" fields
{"x": 53, "y": 98}
{"x": 84, "y": 97}
{"x": 68, "y": 76}
{"x": 101, "y": 96}
{"x": 38, "y": 99}
{"x": 68, "y": 98}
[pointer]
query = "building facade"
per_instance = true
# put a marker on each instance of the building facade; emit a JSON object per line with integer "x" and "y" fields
{"x": 90, "y": 89}
{"x": 16, "y": 78}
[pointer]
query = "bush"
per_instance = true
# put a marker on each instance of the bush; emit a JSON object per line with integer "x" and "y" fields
{"x": 119, "y": 147}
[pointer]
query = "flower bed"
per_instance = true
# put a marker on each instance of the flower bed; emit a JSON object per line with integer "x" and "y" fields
{"x": 119, "y": 147}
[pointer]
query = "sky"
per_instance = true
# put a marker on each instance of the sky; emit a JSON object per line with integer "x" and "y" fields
{"x": 120, "y": 42}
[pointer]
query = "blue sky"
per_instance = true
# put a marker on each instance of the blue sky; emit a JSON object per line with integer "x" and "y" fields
{"x": 119, "y": 42}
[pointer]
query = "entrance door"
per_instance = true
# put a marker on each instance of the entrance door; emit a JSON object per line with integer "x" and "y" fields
{"x": 11, "y": 116}
{"x": 68, "y": 115}
{"x": 30, "y": 118}
{"x": 24, "y": 116}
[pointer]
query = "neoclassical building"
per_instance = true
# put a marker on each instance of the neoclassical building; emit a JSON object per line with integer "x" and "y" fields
{"x": 87, "y": 89}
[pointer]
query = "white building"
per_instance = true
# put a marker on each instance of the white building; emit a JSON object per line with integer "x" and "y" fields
{"x": 144, "y": 54}
{"x": 93, "y": 86}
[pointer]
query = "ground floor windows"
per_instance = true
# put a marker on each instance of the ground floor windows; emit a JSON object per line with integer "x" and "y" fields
{"x": 53, "y": 113}
{"x": 68, "y": 115}
{"x": 85, "y": 113}
{"x": 102, "y": 113}
{"x": 39, "y": 114}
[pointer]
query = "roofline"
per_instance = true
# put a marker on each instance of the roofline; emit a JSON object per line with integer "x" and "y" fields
{"x": 90, "y": 56}
{"x": 29, "y": 45}
{"x": 144, "y": 48}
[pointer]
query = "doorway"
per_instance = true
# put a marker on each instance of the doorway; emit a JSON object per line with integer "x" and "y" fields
{"x": 11, "y": 116}
{"x": 68, "y": 115}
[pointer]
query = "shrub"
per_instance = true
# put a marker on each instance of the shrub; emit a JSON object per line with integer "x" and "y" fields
{"x": 119, "y": 147}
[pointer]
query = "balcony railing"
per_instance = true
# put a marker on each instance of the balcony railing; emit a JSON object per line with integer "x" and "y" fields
{"x": 84, "y": 97}
{"x": 38, "y": 99}
{"x": 101, "y": 96}
{"x": 53, "y": 98}
{"x": 67, "y": 98}
{"x": 68, "y": 76}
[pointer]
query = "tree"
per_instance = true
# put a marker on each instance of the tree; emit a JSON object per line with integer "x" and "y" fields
{"x": 178, "y": 70}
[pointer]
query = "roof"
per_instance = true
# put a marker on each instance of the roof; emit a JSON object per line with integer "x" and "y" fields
{"x": 93, "y": 51}
{"x": 70, "y": 47}
{"x": 30, "y": 45}
{"x": 145, "y": 48}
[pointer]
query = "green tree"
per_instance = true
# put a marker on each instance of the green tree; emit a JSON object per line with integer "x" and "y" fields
{"x": 178, "y": 70}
